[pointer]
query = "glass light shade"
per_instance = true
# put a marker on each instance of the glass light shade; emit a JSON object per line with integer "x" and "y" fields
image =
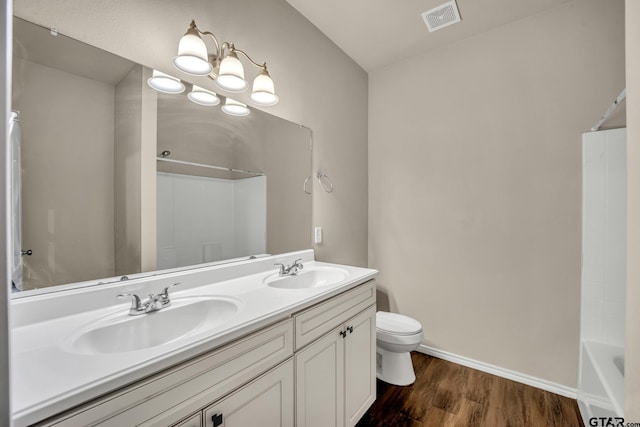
{"x": 263, "y": 92}
{"x": 203, "y": 96}
{"x": 192, "y": 55}
{"x": 165, "y": 83}
{"x": 231, "y": 75}
{"x": 235, "y": 108}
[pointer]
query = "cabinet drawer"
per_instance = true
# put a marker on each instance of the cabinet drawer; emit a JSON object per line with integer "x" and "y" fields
{"x": 316, "y": 321}
{"x": 168, "y": 397}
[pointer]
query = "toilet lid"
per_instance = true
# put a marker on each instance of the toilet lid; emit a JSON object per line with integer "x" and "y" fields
{"x": 397, "y": 324}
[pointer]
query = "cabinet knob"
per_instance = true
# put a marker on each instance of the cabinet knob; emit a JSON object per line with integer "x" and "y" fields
{"x": 216, "y": 419}
{"x": 343, "y": 334}
{"x": 350, "y": 329}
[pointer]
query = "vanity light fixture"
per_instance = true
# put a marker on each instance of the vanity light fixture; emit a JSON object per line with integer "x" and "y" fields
{"x": 165, "y": 83}
{"x": 203, "y": 96}
{"x": 235, "y": 108}
{"x": 223, "y": 66}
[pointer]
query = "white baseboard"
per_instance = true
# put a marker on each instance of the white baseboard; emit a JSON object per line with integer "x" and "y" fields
{"x": 500, "y": 372}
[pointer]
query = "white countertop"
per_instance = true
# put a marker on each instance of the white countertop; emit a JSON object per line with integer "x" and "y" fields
{"x": 49, "y": 377}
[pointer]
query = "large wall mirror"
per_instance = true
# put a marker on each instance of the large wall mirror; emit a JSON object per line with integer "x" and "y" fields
{"x": 113, "y": 179}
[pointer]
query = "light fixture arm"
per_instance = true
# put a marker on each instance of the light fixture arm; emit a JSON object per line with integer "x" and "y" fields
{"x": 215, "y": 40}
{"x": 220, "y": 48}
{"x": 263, "y": 65}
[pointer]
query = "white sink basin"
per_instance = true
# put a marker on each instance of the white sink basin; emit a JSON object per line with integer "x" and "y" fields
{"x": 314, "y": 277}
{"x": 120, "y": 332}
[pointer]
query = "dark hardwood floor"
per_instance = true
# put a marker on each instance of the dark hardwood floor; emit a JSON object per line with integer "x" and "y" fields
{"x": 447, "y": 394}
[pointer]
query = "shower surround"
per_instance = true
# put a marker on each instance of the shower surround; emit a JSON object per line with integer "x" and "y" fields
{"x": 604, "y": 207}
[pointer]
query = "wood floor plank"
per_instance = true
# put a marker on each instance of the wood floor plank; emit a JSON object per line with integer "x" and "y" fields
{"x": 447, "y": 401}
{"x": 535, "y": 409}
{"x": 560, "y": 411}
{"x": 514, "y": 404}
{"x": 435, "y": 417}
{"x": 478, "y": 386}
{"x": 495, "y": 416}
{"x": 471, "y": 414}
{"x": 454, "y": 377}
{"x": 449, "y": 395}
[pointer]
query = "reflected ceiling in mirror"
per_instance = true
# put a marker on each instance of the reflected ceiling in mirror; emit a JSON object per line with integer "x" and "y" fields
{"x": 89, "y": 180}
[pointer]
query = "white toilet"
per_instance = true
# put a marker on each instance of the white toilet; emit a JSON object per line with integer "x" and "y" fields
{"x": 396, "y": 336}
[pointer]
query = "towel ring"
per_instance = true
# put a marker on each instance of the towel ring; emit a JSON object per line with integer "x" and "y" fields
{"x": 326, "y": 187}
{"x": 304, "y": 186}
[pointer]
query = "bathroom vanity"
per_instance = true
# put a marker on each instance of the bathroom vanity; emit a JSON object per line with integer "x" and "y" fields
{"x": 240, "y": 344}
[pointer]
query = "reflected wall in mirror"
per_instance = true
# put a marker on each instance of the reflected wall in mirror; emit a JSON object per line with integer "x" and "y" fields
{"x": 98, "y": 198}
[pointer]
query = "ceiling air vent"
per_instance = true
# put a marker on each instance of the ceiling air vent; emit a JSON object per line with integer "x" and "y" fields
{"x": 442, "y": 16}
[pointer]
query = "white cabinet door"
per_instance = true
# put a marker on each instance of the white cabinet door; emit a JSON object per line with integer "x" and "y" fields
{"x": 265, "y": 402}
{"x": 360, "y": 368}
{"x": 320, "y": 382}
{"x": 335, "y": 375}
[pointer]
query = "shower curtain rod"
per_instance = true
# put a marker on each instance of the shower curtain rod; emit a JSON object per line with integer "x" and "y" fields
{"x": 611, "y": 109}
{"x": 202, "y": 165}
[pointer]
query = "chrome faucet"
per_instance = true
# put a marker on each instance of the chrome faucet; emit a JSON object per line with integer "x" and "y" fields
{"x": 153, "y": 303}
{"x": 292, "y": 269}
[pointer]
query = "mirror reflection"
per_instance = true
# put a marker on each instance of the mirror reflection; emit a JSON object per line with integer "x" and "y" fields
{"x": 113, "y": 178}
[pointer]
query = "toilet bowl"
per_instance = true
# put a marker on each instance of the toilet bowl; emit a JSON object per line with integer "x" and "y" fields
{"x": 396, "y": 336}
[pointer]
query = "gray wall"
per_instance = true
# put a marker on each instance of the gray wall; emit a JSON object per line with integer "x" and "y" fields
{"x": 632, "y": 357}
{"x": 135, "y": 174}
{"x": 475, "y": 184}
{"x": 73, "y": 140}
{"x": 319, "y": 86}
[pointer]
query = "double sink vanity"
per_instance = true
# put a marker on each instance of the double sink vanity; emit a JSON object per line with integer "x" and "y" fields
{"x": 178, "y": 342}
{"x": 241, "y": 344}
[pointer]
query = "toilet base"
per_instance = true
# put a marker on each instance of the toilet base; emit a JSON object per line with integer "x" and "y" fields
{"x": 394, "y": 368}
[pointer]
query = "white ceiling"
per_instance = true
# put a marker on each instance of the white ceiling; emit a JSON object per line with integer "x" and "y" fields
{"x": 377, "y": 32}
